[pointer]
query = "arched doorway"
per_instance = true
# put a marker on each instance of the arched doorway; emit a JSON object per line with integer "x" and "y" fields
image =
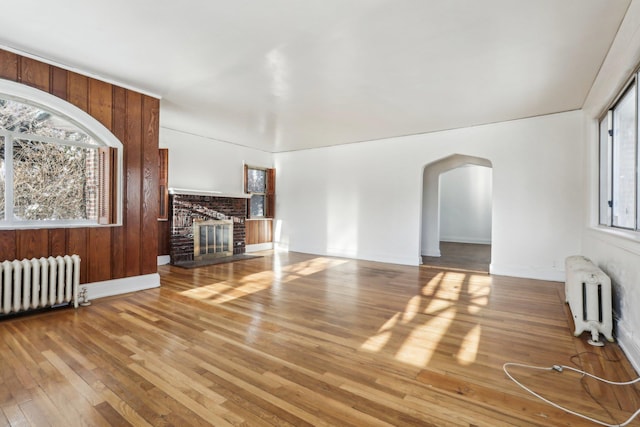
{"x": 471, "y": 198}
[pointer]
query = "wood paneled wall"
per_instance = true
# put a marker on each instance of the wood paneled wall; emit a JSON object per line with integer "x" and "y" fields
{"x": 106, "y": 252}
{"x": 164, "y": 237}
{"x": 259, "y": 231}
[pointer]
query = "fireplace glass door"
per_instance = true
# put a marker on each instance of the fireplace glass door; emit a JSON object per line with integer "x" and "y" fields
{"x": 212, "y": 239}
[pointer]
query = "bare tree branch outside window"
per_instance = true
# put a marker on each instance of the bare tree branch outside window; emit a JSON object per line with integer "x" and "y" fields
{"x": 53, "y": 163}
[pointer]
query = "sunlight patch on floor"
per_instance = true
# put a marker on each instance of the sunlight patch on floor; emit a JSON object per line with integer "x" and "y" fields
{"x": 417, "y": 349}
{"x": 225, "y": 291}
{"x": 432, "y": 285}
{"x": 416, "y": 332}
{"x": 310, "y": 267}
{"x": 413, "y": 308}
{"x": 469, "y": 346}
{"x": 379, "y": 340}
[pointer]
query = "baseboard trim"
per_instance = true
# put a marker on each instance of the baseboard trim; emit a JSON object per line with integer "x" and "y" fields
{"x": 109, "y": 288}
{"x": 628, "y": 346}
{"x": 258, "y": 247}
{"x": 432, "y": 254}
{"x": 470, "y": 240}
{"x": 389, "y": 259}
{"x": 527, "y": 272}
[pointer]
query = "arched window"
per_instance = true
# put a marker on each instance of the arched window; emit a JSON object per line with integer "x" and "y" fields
{"x": 58, "y": 165}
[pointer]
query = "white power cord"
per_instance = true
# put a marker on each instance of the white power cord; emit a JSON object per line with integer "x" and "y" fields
{"x": 560, "y": 368}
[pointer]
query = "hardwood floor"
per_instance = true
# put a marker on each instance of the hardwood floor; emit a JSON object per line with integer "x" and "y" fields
{"x": 302, "y": 340}
{"x": 465, "y": 256}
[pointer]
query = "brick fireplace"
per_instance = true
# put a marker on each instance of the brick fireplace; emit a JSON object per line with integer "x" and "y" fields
{"x": 189, "y": 206}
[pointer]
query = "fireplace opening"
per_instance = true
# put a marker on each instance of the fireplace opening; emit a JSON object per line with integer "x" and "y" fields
{"x": 212, "y": 239}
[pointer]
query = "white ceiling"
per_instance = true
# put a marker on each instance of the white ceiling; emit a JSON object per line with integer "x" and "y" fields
{"x": 285, "y": 75}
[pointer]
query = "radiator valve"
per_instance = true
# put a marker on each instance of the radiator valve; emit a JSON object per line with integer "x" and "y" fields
{"x": 84, "y": 299}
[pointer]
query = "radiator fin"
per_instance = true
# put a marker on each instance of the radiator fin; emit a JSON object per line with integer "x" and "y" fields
{"x": 38, "y": 283}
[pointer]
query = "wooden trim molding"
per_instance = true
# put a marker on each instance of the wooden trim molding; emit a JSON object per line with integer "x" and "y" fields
{"x": 271, "y": 193}
{"x": 163, "y": 183}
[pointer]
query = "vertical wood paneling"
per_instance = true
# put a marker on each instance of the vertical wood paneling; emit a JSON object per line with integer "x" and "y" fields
{"x": 99, "y": 266}
{"x": 133, "y": 168}
{"x": 99, "y": 254}
{"x": 150, "y": 116}
{"x": 78, "y": 94}
{"x": 78, "y": 90}
{"x": 119, "y": 117}
{"x": 163, "y": 183}
{"x": 8, "y": 70}
{"x": 164, "y": 233}
{"x": 100, "y": 102}
{"x": 8, "y": 65}
{"x": 59, "y": 82}
{"x": 7, "y": 245}
{"x": 57, "y": 242}
{"x": 119, "y": 113}
{"x": 35, "y": 73}
{"x": 258, "y": 231}
{"x": 32, "y": 243}
{"x": 252, "y": 232}
{"x": 77, "y": 244}
{"x": 270, "y": 198}
{"x": 117, "y": 253}
{"x": 106, "y": 253}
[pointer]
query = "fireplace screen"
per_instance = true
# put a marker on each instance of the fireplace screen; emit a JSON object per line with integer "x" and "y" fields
{"x": 212, "y": 238}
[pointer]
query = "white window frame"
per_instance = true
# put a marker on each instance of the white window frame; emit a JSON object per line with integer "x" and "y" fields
{"x": 605, "y": 157}
{"x": 92, "y": 127}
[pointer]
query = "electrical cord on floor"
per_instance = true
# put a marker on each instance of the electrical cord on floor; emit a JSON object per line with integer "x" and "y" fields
{"x": 605, "y": 357}
{"x": 560, "y": 368}
{"x": 575, "y": 360}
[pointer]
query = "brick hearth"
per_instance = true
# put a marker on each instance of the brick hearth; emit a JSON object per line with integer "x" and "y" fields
{"x": 185, "y": 208}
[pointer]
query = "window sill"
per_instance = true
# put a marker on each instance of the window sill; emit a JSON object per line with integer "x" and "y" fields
{"x": 625, "y": 239}
{"x": 53, "y": 224}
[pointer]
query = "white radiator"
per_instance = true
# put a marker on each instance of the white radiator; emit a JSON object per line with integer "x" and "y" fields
{"x": 39, "y": 283}
{"x": 588, "y": 292}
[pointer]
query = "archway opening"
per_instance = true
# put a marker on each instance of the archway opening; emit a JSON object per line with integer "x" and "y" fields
{"x": 457, "y": 213}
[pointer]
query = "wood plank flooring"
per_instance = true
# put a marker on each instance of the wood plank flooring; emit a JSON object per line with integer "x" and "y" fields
{"x": 292, "y": 339}
{"x": 464, "y": 256}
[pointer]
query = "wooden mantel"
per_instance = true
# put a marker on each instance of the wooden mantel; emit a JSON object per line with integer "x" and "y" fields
{"x": 210, "y": 193}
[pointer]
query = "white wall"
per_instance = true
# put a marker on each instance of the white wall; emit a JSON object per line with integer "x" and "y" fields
{"x": 617, "y": 253}
{"x": 465, "y": 205}
{"x": 200, "y": 163}
{"x": 364, "y": 200}
{"x": 620, "y": 259}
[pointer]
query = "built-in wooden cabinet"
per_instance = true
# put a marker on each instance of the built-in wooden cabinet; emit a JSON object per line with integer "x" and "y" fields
{"x": 259, "y": 231}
